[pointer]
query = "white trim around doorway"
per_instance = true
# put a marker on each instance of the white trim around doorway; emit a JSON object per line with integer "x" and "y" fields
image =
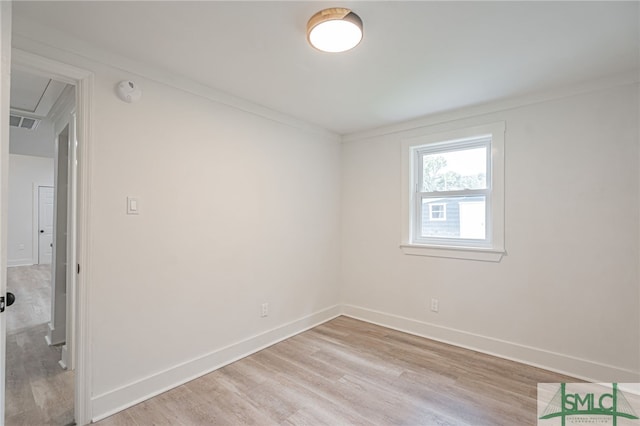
{"x": 84, "y": 82}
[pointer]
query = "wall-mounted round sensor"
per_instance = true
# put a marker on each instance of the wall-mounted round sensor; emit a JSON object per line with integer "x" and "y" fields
{"x": 128, "y": 91}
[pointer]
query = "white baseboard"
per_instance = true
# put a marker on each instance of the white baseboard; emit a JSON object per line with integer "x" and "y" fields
{"x": 54, "y": 336}
{"x": 116, "y": 400}
{"x": 129, "y": 395}
{"x": 565, "y": 364}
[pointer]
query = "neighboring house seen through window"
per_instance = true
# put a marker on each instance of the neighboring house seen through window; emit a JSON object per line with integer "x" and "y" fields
{"x": 456, "y": 199}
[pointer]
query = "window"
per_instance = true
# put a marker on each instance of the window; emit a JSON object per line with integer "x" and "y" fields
{"x": 437, "y": 211}
{"x": 455, "y": 200}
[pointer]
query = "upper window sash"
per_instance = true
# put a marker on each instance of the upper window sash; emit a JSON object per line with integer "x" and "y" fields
{"x": 482, "y": 141}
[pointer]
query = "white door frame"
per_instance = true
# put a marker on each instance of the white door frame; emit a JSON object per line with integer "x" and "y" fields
{"x": 83, "y": 80}
{"x": 5, "y": 87}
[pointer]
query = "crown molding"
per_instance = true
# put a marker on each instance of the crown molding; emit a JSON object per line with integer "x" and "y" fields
{"x": 622, "y": 79}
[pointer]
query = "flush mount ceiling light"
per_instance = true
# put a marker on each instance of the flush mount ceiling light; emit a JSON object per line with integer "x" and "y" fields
{"x": 334, "y": 30}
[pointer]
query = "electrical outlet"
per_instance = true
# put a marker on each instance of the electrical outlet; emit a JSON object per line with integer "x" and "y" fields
{"x": 435, "y": 305}
{"x": 265, "y": 310}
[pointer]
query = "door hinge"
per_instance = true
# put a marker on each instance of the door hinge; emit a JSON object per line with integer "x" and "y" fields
{"x": 78, "y": 268}
{"x": 1, "y": 304}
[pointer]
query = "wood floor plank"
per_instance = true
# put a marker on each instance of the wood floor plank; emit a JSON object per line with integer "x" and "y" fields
{"x": 348, "y": 372}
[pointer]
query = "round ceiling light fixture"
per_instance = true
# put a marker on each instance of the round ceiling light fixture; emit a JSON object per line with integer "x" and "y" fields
{"x": 334, "y": 30}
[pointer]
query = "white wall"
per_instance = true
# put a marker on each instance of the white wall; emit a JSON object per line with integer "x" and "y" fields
{"x": 38, "y": 142}
{"x": 566, "y": 295}
{"x": 235, "y": 211}
{"x": 24, "y": 172}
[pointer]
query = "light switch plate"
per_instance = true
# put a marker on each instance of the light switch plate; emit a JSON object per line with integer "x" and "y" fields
{"x": 133, "y": 205}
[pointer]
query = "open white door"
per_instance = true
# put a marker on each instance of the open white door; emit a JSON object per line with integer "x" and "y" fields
{"x": 5, "y": 87}
{"x": 45, "y": 225}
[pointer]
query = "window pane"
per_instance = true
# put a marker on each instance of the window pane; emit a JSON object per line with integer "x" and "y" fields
{"x": 454, "y": 217}
{"x": 455, "y": 170}
{"x": 437, "y": 211}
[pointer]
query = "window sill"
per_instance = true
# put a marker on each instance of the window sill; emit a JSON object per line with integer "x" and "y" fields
{"x": 466, "y": 253}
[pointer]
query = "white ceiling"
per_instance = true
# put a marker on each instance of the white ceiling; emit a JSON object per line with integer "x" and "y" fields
{"x": 417, "y": 58}
{"x": 27, "y": 90}
{"x": 34, "y": 94}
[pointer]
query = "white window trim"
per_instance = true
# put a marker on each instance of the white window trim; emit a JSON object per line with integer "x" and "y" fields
{"x": 495, "y": 250}
{"x": 444, "y": 212}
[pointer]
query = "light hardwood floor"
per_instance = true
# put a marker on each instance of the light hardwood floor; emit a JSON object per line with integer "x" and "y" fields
{"x": 38, "y": 390}
{"x": 348, "y": 372}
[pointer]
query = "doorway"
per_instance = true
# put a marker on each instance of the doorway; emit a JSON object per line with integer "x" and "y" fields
{"x": 77, "y": 233}
{"x": 40, "y": 380}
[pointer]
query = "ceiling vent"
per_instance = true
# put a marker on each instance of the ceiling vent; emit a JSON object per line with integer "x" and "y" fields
{"x": 23, "y": 122}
